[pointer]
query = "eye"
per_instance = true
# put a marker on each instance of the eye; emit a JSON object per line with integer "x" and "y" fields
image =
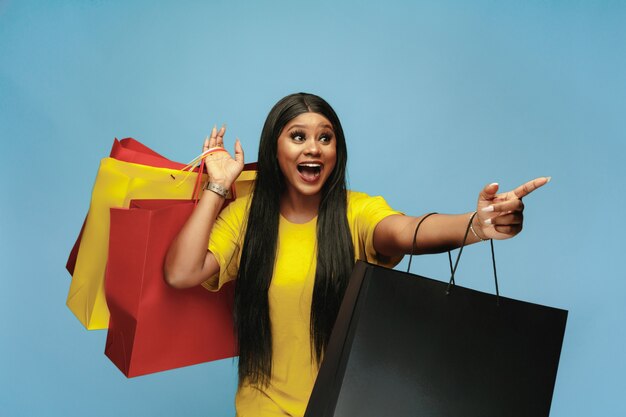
{"x": 298, "y": 136}
{"x": 326, "y": 137}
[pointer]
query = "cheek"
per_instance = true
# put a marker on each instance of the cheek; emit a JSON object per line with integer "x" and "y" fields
{"x": 284, "y": 162}
{"x": 282, "y": 155}
{"x": 332, "y": 157}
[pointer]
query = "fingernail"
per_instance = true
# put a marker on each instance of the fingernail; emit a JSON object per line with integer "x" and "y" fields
{"x": 224, "y": 126}
{"x": 487, "y": 209}
{"x": 548, "y": 179}
{"x": 488, "y": 221}
{"x": 493, "y": 183}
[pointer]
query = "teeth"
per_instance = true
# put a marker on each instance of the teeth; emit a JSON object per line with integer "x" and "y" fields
{"x": 311, "y": 165}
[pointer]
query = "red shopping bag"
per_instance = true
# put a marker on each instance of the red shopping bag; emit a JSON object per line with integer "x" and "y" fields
{"x": 71, "y": 259}
{"x": 154, "y": 327}
{"x": 131, "y": 150}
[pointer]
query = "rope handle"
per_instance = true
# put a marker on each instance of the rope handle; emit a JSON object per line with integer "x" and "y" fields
{"x": 414, "y": 243}
{"x": 454, "y": 267}
{"x": 198, "y": 162}
{"x": 198, "y": 185}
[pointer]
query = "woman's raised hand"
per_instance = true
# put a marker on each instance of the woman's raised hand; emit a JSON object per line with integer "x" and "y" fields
{"x": 221, "y": 168}
{"x": 501, "y": 215}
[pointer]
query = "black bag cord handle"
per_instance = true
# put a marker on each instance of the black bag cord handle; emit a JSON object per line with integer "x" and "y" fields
{"x": 451, "y": 283}
{"x": 414, "y": 246}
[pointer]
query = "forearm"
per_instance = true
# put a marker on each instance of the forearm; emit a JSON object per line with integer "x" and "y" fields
{"x": 186, "y": 260}
{"x": 438, "y": 233}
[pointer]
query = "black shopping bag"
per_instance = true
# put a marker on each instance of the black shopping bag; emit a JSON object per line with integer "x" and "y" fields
{"x": 402, "y": 347}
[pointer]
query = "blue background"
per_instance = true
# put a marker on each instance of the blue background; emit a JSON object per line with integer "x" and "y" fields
{"x": 436, "y": 99}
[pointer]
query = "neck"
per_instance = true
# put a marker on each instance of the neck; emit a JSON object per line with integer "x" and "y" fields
{"x": 298, "y": 208}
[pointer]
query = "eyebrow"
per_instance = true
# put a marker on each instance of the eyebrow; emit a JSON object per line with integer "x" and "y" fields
{"x": 298, "y": 126}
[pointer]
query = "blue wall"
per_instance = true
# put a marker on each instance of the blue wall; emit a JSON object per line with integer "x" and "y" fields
{"x": 437, "y": 99}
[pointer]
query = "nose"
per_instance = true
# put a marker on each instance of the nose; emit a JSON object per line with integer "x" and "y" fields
{"x": 312, "y": 148}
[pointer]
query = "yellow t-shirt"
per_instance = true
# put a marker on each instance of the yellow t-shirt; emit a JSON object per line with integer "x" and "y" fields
{"x": 290, "y": 295}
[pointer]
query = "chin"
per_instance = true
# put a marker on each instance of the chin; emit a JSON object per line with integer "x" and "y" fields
{"x": 306, "y": 189}
{"x": 309, "y": 191}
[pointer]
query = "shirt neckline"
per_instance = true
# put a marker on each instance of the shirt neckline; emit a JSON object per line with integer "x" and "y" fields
{"x": 284, "y": 219}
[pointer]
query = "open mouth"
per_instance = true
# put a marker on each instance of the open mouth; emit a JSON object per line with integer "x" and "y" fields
{"x": 310, "y": 171}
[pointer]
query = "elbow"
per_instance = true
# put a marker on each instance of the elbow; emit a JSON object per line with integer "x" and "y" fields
{"x": 183, "y": 273}
{"x": 175, "y": 278}
{"x": 176, "y": 272}
{"x": 170, "y": 279}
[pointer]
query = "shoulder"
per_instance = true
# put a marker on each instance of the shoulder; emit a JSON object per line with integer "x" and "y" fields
{"x": 365, "y": 206}
{"x": 356, "y": 195}
{"x": 358, "y": 201}
{"x": 236, "y": 211}
{"x": 357, "y": 198}
{"x": 240, "y": 204}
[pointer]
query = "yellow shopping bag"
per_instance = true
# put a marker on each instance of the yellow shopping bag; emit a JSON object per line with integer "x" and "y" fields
{"x": 116, "y": 184}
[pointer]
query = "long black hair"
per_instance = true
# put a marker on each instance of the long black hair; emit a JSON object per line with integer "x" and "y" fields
{"x": 335, "y": 251}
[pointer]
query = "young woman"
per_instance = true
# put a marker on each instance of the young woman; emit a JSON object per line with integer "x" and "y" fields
{"x": 291, "y": 246}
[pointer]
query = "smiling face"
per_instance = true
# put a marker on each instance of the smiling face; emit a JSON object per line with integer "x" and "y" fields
{"x": 307, "y": 153}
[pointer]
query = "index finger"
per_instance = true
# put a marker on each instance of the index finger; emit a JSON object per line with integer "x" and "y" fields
{"x": 525, "y": 189}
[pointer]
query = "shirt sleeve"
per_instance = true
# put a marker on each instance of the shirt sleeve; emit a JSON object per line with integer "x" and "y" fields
{"x": 364, "y": 214}
{"x": 225, "y": 243}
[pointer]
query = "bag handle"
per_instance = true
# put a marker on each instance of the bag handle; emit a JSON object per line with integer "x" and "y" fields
{"x": 197, "y": 164}
{"x": 198, "y": 185}
{"x": 453, "y": 269}
{"x": 414, "y": 247}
